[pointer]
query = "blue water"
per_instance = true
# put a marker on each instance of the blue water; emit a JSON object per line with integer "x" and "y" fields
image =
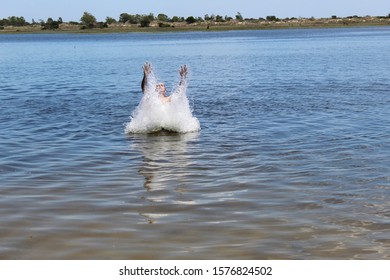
{"x": 292, "y": 160}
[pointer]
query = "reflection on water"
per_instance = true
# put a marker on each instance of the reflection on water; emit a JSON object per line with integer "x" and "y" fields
{"x": 164, "y": 162}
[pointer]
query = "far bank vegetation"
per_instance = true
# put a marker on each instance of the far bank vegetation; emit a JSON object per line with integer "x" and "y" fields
{"x": 129, "y": 22}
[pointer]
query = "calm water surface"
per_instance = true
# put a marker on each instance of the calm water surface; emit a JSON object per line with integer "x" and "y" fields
{"x": 292, "y": 160}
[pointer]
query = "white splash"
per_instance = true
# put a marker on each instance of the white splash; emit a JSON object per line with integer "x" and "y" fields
{"x": 152, "y": 114}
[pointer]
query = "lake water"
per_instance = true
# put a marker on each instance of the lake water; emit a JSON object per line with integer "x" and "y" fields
{"x": 292, "y": 160}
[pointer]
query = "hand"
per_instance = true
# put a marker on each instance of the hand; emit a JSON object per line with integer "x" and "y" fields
{"x": 147, "y": 68}
{"x": 183, "y": 71}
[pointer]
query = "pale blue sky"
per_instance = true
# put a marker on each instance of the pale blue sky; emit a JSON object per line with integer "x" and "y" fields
{"x": 72, "y": 10}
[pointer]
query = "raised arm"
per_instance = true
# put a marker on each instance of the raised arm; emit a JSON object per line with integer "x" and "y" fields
{"x": 147, "y": 70}
{"x": 183, "y": 71}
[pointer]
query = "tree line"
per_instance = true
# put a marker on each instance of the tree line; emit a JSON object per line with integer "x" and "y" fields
{"x": 21, "y": 21}
{"x": 88, "y": 20}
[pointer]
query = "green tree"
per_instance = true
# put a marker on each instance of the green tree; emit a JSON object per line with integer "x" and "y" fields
{"x": 162, "y": 17}
{"x": 52, "y": 24}
{"x": 175, "y": 19}
{"x": 219, "y": 18}
{"x": 124, "y": 17}
{"x": 271, "y": 18}
{"x": 110, "y": 20}
{"x": 135, "y": 19}
{"x": 88, "y": 20}
{"x": 16, "y": 21}
{"x": 145, "y": 21}
{"x": 190, "y": 20}
{"x": 151, "y": 17}
{"x": 239, "y": 16}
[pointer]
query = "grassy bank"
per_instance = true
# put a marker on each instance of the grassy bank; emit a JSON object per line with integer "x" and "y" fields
{"x": 156, "y": 26}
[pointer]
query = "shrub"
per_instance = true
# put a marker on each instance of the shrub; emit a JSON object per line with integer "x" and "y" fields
{"x": 163, "y": 25}
{"x": 190, "y": 20}
{"x": 145, "y": 21}
{"x": 271, "y": 18}
{"x": 50, "y": 24}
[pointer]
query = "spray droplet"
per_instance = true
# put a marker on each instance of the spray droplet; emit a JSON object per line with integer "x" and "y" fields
{"x": 155, "y": 113}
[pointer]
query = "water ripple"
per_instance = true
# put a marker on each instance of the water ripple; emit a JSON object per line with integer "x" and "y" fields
{"x": 292, "y": 161}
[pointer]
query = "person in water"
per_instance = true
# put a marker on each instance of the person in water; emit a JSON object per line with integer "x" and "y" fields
{"x": 160, "y": 87}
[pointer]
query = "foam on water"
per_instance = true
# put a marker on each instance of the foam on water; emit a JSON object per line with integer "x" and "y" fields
{"x": 152, "y": 114}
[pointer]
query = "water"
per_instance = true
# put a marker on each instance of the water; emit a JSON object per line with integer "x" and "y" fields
{"x": 292, "y": 160}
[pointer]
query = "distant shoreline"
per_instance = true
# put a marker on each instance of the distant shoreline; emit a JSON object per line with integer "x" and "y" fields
{"x": 157, "y": 27}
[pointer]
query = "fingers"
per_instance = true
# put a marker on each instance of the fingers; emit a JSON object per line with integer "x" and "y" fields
{"x": 147, "y": 67}
{"x": 183, "y": 70}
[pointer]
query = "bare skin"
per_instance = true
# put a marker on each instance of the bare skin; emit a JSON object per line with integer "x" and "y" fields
{"x": 160, "y": 87}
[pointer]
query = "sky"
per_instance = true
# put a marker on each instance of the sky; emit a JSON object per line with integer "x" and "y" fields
{"x": 72, "y": 10}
